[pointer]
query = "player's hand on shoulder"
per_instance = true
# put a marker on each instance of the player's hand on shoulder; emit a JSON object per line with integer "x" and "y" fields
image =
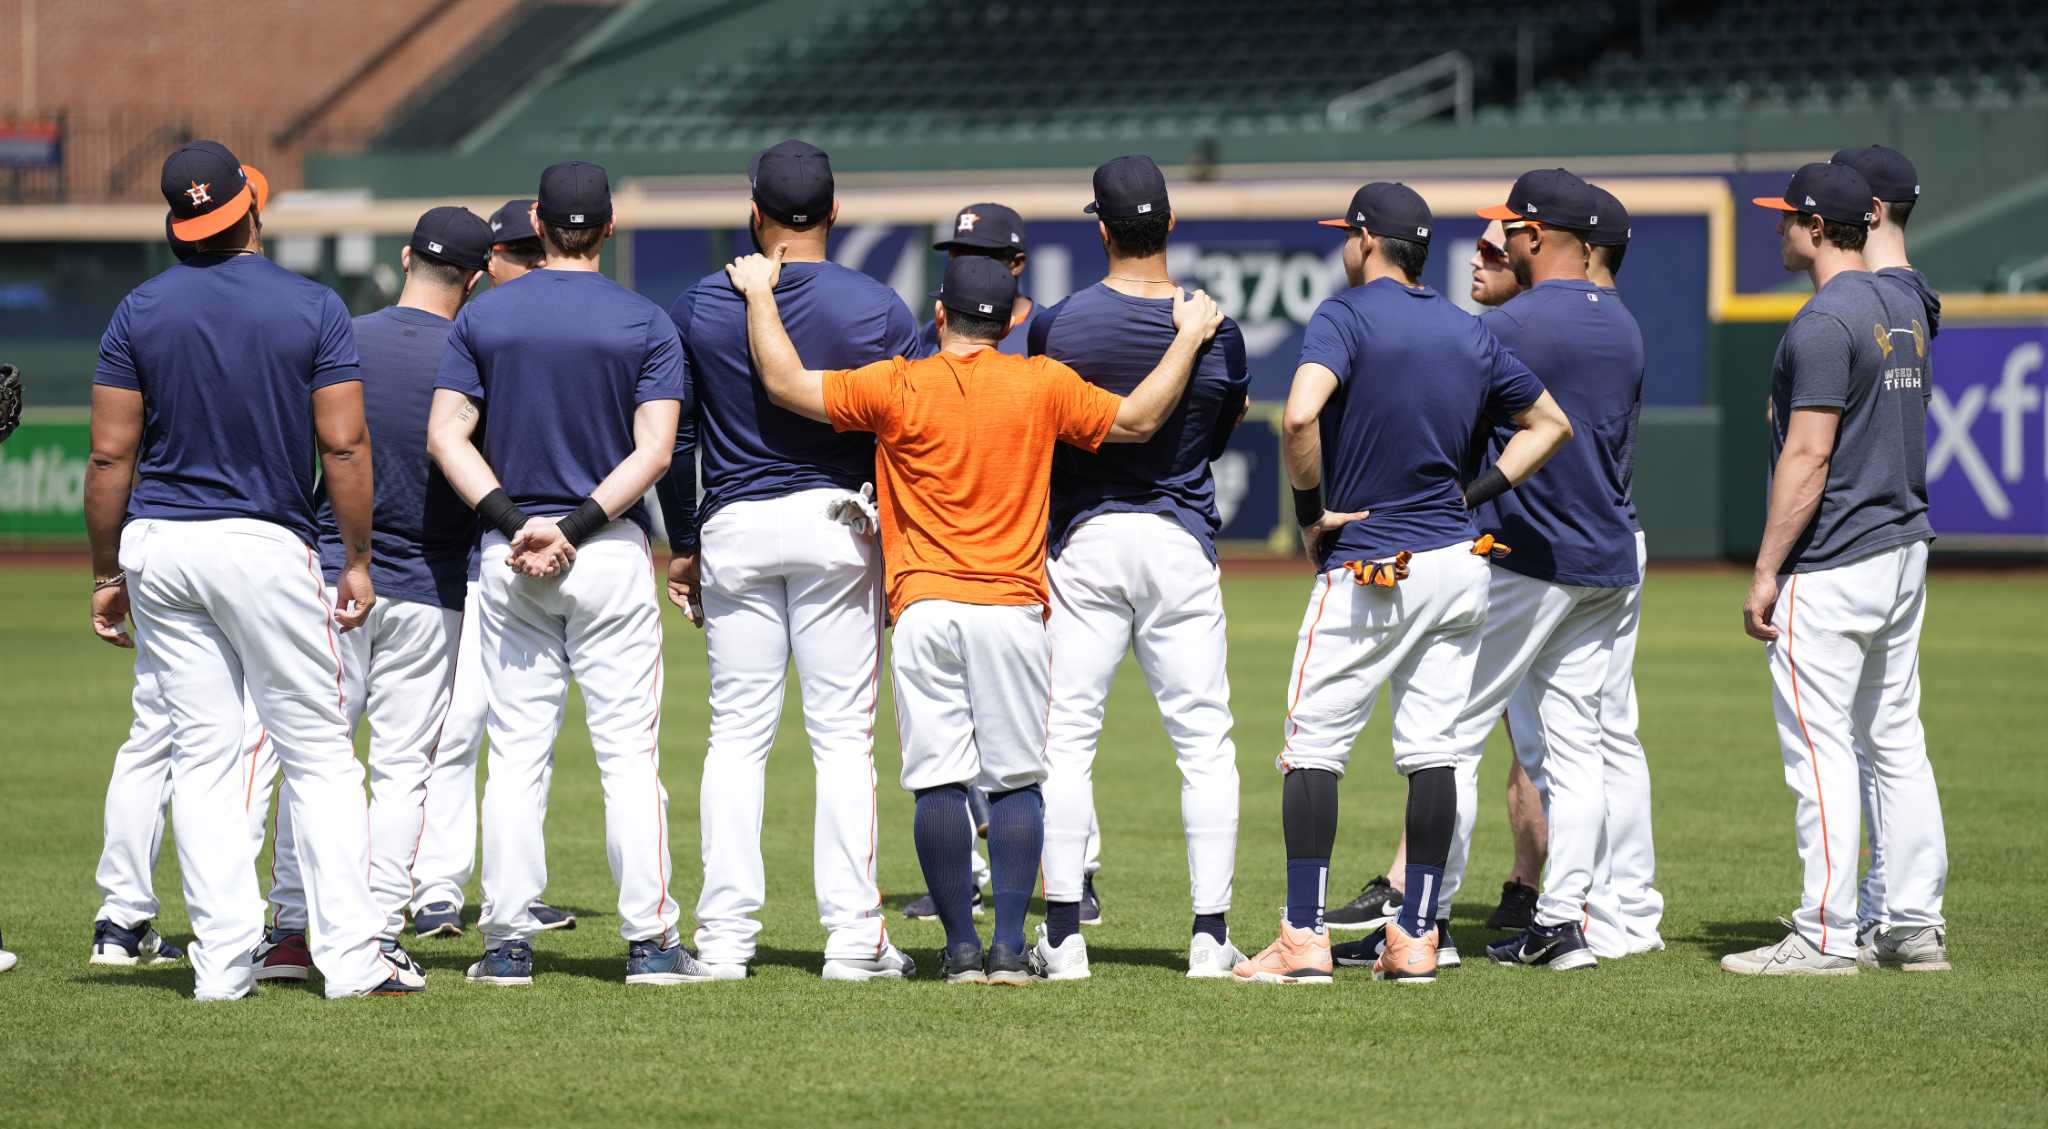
{"x": 353, "y": 596}
{"x": 1759, "y": 607}
{"x": 756, "y": 274}
{"x": 1196, "y": 312}
{"x": 539, "y": 549}
{"x": 1316, "y": 538}
{"x": 686, "y": 586}
{"x": 110, "y": 612}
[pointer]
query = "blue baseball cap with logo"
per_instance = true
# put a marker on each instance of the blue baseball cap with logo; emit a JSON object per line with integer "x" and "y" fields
{"x": 1892, "y": 177}
{"x": 1388, "y": 209}
{"x": 978, "y": 285}
{"x": 513, "y": 222}
{"x": 1614, "y": 229}
{"x": 984, "y": 228}
{"x": 575, "y": 194}
{"x": 456, "y": 236}
{"x": 1551, "y": 197}
{"x": 1127, "y": 187}
{"x": 209, "y": 190}
{"x": 792, "y": 183}
{"x": 1830, "y": 191}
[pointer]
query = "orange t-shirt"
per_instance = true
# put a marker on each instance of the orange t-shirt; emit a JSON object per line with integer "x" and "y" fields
{"x": 963, "y": 466}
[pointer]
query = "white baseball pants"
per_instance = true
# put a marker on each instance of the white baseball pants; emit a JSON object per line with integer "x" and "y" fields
{"x": 447, "y": 847}
{"x": 1845, "y": 682}
{"x": 782, "y": 581}
{"x": 1125, "y": 582}
{"x": 599, "y": 623}
{"x": 232, "y": 606}
{"x": 973, "y": 687}
{"x": 1623, "y": 909}
{"x": 1420, "y": 638}
{"x": 139, "y": 798}
{"x": 1559, "y": 637}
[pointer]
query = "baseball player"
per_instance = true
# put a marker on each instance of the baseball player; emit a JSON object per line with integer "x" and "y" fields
{"x": 1132, "y": 567}
{"x": 1896, "y": 186}
{"x": 399, "y": 670}
{"x": 583, "y": 381}
{"x": 781, "y": 562}
{"x": 965, "y": 443}
{"x": 216, "y": 556}
{"x": 10, "y": 416}
{"x": 1840, "y": 590}
{"x": 1375, "y": 452}
{"x": 446, "y": 855}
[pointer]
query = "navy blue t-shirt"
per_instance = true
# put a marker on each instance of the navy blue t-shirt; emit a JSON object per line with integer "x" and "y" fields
{"x": 1635, "y": 523}
{"x": 227, "y": 351}
{"x": 1016, "y": 342}
{"x": 1420, "y": 383}
{"x": 1114, "y": 340}
{"x": 560, "y": 360}
{"x": 838, "y": 319}
{"x": 1569, "y": 522}
{"x": 422, "y": 532}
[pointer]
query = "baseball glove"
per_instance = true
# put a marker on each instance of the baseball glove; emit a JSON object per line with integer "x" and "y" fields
{"x": 10, "y": 400}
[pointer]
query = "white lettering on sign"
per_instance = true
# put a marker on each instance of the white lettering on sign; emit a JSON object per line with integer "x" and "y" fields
{"x": 45, "y": 482}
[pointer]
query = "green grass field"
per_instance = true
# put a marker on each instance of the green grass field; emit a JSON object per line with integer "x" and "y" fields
{"x": 1659, "y": 1039}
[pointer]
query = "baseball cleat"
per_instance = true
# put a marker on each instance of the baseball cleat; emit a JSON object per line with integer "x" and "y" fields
{"x": 1007, "y": 966}
{"x": 1297, "y": 956}
{"x": 891, "y": 963}
{"x": 407, "y": 977}
{"x": 1405, "y": 959}
{"x": 1517, "y": 908}
{"x": 648, "y": 963}
{"x": 1211, "y": 959}
{"x": 282, "y": 955}
{"x": 550, "y": 917}
{"x": 1065, "y": 961}
{"x": 1910, "y": 950}
{"x": 1366, "y": 950}
{"x": 441, "y": 919}
{"x": 509, "y": 965}
{"x": 723, "y": 969}
{"x": 7, "y": 960}
{"x": 118, "y": 945}
{"x": 961, "y": 963}
{"x": 926, "y": 908}
{"x": 1374, "y": 906}
{"x": 1793, "y": 956}
{"x": 1558, "y": 947}
{"x": 1091, "y": 906}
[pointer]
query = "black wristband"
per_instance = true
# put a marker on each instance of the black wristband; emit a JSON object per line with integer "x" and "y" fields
{"x": 1490, "y": 484}
{"x": 586, "y": 519}
{"x": 502, "y": 513}
{"x": 1308, "y": 506}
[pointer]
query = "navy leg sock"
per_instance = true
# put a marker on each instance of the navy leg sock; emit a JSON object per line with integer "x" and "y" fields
{"x": 1016, "y": 846}
{"x": 1432, "y": 820}
{"x": 1308, "y": 818}
{"x": 945, "y": 841}
{"x": 1213, "y": 925}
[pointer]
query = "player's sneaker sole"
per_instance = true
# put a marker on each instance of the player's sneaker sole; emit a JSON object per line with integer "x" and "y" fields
{"x": 1299, "y": 976}
{"x": 861, "y": 971}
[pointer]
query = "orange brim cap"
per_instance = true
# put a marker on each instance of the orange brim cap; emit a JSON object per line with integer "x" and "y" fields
{"x": 1775, "y": 203}
{"x": 1499, "y": 212}
{"x": 260, "y": 183}
{"x": 1335, "y": 223}
{"x": 216, "y": 221}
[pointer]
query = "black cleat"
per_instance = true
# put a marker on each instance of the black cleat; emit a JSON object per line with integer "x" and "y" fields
{"x": 961, "y": 963}
{"x": 1517, "y": 909}
{"x": 1374, "y": 906}
{"x": 1364, "y": 951}
{"x": 1559, "y": 947}
{"x": 926, "y": 908}
{"x": 1007, "y": 966}
{"x": 1091, "y": 906}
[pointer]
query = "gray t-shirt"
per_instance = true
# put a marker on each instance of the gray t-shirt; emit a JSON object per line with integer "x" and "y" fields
{"x": 1859, "y": 344}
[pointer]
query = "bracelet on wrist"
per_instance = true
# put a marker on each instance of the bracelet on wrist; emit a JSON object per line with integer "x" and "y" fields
{"x": 1308, "y": 506}
{"x": 99, "y": 582}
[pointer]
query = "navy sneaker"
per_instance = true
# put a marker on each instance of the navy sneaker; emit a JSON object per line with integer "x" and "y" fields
{"x": 926, "y": 908}
{"x": 1374, "y": 906}
{"x": 118, "y": 945}
{"x": 1008, "y": 966}
{"x": 1561, "y": 947}
{"x": 509, "y": 965}
{"x": 1366, "y": 950}
{"x": 550, "y": 917}
{"x": 1091, "y": 906}
{"x": 961, "y": 963}
{"x": 440, "y": 919}
{"x": 1517, "y": 909}
{"x": 407, "y": 977}
{"x": 648, "y": 963}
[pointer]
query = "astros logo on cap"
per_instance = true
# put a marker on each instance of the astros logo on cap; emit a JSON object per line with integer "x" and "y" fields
{"x": 198, "y": 193}
{"x": 967, "y": 221}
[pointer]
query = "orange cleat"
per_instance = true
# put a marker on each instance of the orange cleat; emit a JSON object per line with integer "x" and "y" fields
{"x": 1299, "y": 956}
{"x": 1405, "y": 959}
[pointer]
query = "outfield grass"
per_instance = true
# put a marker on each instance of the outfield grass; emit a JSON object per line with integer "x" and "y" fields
{"x": 1657, "y": 1039}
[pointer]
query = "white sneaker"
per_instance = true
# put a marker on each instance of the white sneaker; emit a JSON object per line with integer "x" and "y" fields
{"x": 891, "y": 964}
{"x": 7, "y": 960}
{"x": 723, "y": 970}
{"x": 1210, "y": 959}
{"x": 1793, "y": 956}
{"x": 1069, "y": 961}
{"x": 1911, "y": 950}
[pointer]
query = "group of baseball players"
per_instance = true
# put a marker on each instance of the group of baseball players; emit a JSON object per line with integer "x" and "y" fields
{"x": 1022, "y": 492}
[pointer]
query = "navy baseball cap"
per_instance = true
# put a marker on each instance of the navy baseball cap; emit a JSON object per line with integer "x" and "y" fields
{"x": 456, "y": 236}
{"x": 1552, "y": 197}
{"x": 512, "y": 222}
{"x": 209, "y": 190}
{"x": 977, "y": 284}
{"x": 1389, "y": 209}
{"x": 1614, "y": 229}
{"x": 1128, "y": 186}
{"x": 1832, "y": 192}
{"x": 575, "y": 194}
{"x": 792, "y": 182}
{"x": 179, "y": 247}
{"x": 984, "y": 227}
{"x": 1892, "y": 177}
